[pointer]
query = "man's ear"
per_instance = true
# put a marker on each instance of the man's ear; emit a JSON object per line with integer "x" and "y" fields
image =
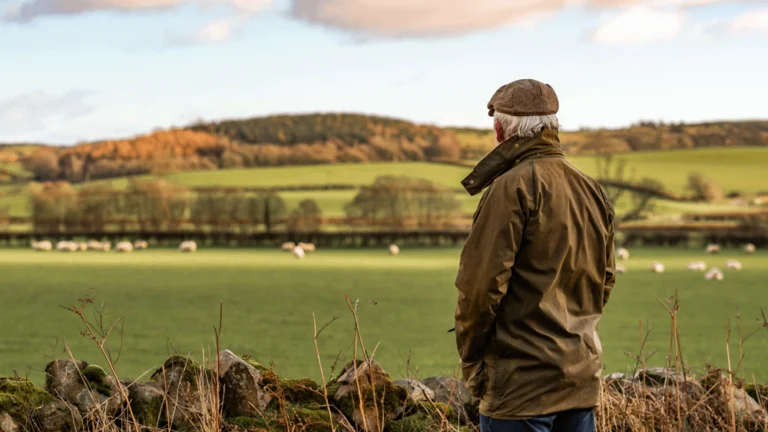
{"x": 499, "y": 130}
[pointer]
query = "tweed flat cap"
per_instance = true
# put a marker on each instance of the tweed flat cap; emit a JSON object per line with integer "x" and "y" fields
{"x": 525, "y": 97}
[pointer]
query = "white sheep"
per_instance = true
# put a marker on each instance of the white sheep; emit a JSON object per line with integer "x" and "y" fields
{"x": 188, "y": 246}
{"x": 124, "y": 246}
{"x": 697, "y": 266}
{"x": 307, "y": 247}
{"x": 394, "y": 250}
{"x": 714, "y": 274}
{"x": 140, "y": 245}
{"x": 93, "y": 245}
{"x": 620, "y": 269}
{"x": 287, "y": 246}
{"x": 298, "y": 252}
{"x": 713, "y": 248}
{"x": 66, "y": 246}
{"x": 749, "y": 248}
{"x": 82, "y": 246}
{"x": 622, "y": 254}
{"x": 733, "y": 265}
{"x": 105, "y": 246}
{"x": 657, "y": 267}
{"x": 44, "y": 246}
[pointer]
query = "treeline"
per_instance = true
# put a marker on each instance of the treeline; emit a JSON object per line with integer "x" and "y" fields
{"x": 157, "y": 206}
{"x": 269, "y": 141}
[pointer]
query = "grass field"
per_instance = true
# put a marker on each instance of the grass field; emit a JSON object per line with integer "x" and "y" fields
{"x": 732, "y": 169}
{"x": 170, "y": 303}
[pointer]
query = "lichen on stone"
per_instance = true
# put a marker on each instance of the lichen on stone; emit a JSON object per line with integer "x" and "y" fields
{"x": 96, "y": 378}
{"x": 19, "y": 397}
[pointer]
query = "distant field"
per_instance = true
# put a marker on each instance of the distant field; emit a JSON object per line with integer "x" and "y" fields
{"x": 732, "y": 169}
{"x": 170, "y": 303}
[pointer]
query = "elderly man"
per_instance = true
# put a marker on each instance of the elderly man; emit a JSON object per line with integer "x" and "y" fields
{"x": 535, "y": 274}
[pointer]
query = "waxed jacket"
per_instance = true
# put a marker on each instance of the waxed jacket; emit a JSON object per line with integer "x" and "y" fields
{"x": 534, "y": 276}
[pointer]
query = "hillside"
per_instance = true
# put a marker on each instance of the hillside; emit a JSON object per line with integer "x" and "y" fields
{"x": 316, "y": 139}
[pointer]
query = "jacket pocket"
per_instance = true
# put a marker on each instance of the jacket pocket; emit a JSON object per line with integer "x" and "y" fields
{"x": 476, "y": 378}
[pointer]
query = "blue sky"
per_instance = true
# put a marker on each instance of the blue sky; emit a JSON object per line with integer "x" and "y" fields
{"x": 82, "y": 70}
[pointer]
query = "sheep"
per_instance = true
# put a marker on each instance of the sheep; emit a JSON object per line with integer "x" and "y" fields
{"x": 124, "y": 246}
{"x": 287, "y": 246}
{"x": 44, "y": 246}
{"x": 188, "y": 246}
{"x": 93, "y": 245}
{"x": 66, "y": 246}
{"x": 657, "y": 267}
{"x": 713, "y": 248}
{"x": 307, "y": 247}
{"x": 622, "y": 254}
{"x": 749, "y": 248}
{"x": 620, "y": 269}
{"x": 140, "y": 244}
{"x": 697, "y": 266}
{"x": 298, "y": 252}
{"x": 714, "y": 274}
{"x": 105, "y": 247}
{"x": 733, "y": 265}
{"x": 394, "y": 250}
{"x": 82, "y": 246}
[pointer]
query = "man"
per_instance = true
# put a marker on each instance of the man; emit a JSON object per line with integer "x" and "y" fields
{"x": 535, "y": 274}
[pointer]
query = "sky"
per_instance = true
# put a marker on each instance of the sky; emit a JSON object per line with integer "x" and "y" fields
{"x": 83, "y": 70}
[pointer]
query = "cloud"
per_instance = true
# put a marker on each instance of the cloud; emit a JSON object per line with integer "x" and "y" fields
{"x": 411, "y": 18}
{"x": 215, "y": 32}
{"x": 639, "y": 24}
{"x": 30, "y": 10}
{"x": 755, "y": 21}
{"x": 426, "y": 18}
{"x": 35, "y": 111}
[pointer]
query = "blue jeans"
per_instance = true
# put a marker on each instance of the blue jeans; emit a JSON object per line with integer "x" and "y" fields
{"x": 564, "y": 421}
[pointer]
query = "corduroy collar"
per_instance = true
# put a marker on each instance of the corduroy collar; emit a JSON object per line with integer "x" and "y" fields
{"x": 509, "y": 154}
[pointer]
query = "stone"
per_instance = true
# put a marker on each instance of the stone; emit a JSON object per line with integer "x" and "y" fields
{"x": 85, "y": 386}
{"x": 241, "y": 385}
{"x": 186, "y": 384}
{"x": 615, "y": 376}
{"x": 366, "y": 381}
{"x": 659, "y": 376}
{"x": 29, "y": 407}
{"x": 8, "y": 423}
{"x": 452, "y": 392}
{"x": 416, "y": 390}
{"x": 718, "y": 383}
{"x": 58, "y": 416}
{"x": 147, "y": 402}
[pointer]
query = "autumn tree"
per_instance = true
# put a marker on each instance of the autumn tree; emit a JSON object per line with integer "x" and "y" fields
{"x": 307, "y": 217}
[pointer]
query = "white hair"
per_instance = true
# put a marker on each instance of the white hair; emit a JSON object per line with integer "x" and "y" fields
{"x": 527, "y": 126}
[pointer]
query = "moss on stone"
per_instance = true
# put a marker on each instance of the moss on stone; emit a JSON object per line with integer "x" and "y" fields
{"x": 192, "y": 371}
{"x": 96, "y": 378}
{"x": 19, "y": 397}
{"x": 416, "y": 423}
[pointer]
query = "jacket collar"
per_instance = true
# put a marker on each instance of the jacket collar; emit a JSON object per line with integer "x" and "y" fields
{"x": 509, "y": 154}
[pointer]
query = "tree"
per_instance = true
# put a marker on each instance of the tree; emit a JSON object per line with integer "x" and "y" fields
{"x": 307, "y": 217}
{"x": 400, "y": 201}
{"x": 703, "y": 189}
{"x": 43, "y": 163}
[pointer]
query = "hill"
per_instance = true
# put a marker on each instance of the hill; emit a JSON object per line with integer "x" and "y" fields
{"x": 317, "y": 139}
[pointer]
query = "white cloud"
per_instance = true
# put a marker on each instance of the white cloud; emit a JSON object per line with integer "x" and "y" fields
{"x": 410, "y": 18}
{"x": 32, "y": 9}
{"x": 35, "y": 111}
{"x": 216, "y": 31}
{"x": 755, "y": 21}
{"x": 639, "y": 24}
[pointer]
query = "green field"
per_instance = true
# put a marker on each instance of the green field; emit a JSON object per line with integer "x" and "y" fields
{"x": 170, "y": 303}
{"x": 732, "y": 169}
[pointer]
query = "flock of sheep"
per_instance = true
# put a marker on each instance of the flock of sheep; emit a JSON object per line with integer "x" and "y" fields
{"x": 713, "y": 273}
{"x": 93, "y": 245}
{"x": 299, "y": 250}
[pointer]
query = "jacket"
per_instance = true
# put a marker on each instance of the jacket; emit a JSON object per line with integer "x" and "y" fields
{"x": 534, "y": 275}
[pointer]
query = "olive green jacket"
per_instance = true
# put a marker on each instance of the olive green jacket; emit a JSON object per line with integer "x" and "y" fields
{"x": 534, "y": 276}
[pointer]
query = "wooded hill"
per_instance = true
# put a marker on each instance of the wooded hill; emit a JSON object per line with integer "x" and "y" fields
{"x": 339, "y": 138}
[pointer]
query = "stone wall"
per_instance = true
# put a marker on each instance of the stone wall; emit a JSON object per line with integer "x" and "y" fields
{"x": 239, "y": 394}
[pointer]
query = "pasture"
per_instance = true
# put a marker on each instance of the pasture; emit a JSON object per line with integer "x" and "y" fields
{"x": 170, "y": 304}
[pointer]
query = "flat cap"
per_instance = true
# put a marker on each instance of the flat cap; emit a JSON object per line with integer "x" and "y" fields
{"x": 525, "y": 97}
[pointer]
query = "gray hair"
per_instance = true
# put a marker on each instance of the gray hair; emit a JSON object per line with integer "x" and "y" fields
{"x": 527, "y": 126}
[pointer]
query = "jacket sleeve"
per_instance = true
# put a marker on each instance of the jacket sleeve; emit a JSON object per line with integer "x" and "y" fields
{"x": 610, "y": 262}
{"x": 486, "y": 266}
